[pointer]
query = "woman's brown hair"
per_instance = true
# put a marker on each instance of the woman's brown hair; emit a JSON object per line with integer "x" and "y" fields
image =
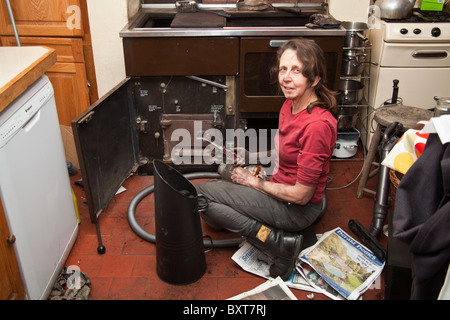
{"x": 314, "y": 65}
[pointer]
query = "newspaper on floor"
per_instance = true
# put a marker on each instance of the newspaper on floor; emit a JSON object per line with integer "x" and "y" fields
{"x": 272, "y": 289}
{"x": 344, "y": 263}
{"x": 316, "y": 281}
{"x": 254, "y": 261}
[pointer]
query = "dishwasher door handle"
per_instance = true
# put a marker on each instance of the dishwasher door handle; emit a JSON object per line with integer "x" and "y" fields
{"x": 30, "y": 123}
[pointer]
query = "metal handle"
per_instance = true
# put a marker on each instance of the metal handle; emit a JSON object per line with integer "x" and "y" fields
{"x": 211, "y": 245}
{"x": 11, "y": 239}
{"x": 279, "y": 43}
{"x": 202, "y": 203}
{"x": 427, "y": 54}
{"x": 211, "y": 83}
{"x": 361, "y": 36}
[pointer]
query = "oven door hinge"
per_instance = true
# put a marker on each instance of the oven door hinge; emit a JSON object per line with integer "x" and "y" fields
{"x": 87, "y": 118}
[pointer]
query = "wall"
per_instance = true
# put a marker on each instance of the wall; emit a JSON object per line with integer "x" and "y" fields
{"x": 108, "y": 17}
{"x": 349, "y": 10}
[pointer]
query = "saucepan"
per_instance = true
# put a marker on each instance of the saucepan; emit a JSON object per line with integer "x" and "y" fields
{"x": 352, "y": 62}
{"x": 345, "y": 117}
{"x": 354, "y": 36}
{"x": 350, "y": 92}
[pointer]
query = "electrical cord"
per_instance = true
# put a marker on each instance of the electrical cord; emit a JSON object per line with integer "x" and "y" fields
{"x": 354, "y": 180}
{"x": 399, "y": 102}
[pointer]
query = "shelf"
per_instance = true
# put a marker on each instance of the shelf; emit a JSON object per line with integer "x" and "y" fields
{"x": 362, "y": 120}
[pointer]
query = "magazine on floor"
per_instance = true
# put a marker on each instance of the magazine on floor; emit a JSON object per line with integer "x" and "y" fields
{"x": 254, "y": 261}
{"x": 316, "y": 281}
{"x": 344, "y": 263}
{"x": 272, "y": 289}
{"x": 303, "y": 277}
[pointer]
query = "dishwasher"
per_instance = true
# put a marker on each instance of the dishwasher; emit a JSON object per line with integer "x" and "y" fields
{"x": 35, "y": 187}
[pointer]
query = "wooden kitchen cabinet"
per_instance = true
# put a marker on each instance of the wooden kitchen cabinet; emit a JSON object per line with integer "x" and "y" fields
{"x": 11, "y": 286}
{"x": 68, "y": 75}
{"x": 62, "y": 25}
{"x": 40, "y": 17}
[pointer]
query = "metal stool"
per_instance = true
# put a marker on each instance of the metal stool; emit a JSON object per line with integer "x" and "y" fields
{"x": 406, "y": 116}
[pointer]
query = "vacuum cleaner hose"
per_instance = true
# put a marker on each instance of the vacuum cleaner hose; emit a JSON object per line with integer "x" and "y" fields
{"x": 150, "y": 237}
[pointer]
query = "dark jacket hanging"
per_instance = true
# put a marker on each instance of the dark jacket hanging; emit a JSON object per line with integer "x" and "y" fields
{"x": 422, "y": 217}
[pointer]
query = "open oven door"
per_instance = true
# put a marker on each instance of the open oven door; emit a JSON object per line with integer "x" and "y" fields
{"x": 106, "y": 144}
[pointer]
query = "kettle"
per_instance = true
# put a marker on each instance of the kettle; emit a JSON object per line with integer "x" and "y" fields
{"x": 395, "y": 9}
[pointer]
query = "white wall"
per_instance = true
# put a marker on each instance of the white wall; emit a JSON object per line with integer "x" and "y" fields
{"x": 349, "y": 10}
{"x": 106, "y": 19}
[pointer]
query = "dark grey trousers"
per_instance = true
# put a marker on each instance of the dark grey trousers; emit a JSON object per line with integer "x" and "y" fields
{"x": 236, "y": 207}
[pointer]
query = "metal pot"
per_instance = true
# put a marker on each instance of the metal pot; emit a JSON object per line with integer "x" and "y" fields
{"x": 346, "y": 144}
{"x": 395, "y": 9}
{"x": 350, "y": 92}
{"x": 355, "y": 34}
{"x": 352, "y": 62}
{"x": 345, "y": 117}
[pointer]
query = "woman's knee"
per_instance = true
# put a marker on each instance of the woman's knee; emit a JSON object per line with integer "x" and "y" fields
{"x": 212, "y": 189}
{"x": 206, "y": 185}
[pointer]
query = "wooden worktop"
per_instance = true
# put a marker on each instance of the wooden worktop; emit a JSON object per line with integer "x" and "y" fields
{"x": 20, "y": 67}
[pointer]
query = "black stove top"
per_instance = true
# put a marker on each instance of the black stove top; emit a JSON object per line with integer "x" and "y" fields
{"x": 421, "y": 16}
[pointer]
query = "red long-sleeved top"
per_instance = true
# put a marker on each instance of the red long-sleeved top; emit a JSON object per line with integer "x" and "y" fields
{"x": 304, "y": 145}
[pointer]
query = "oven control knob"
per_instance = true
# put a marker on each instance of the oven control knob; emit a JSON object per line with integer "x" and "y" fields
{"x": 417, "y": 31}
{"x": 436, "y": 32}
{"x": 403, "y": 31}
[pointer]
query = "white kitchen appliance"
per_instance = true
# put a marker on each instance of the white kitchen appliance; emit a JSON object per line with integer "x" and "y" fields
{"x": 35, "y": 188}
{"x": 415, "y": 51}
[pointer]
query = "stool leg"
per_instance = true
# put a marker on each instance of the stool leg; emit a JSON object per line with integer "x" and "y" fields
{"x": 368, "y": 162}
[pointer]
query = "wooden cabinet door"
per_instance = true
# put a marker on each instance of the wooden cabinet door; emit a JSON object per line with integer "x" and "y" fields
{"x": 11, "y": 286}
{"x": 68, "y": 75}
{"x": 42, "y": 18}
{"x": 71, "y": 92}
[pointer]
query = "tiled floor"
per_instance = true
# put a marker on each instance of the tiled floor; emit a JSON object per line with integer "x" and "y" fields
{"x": 128, "y": 268}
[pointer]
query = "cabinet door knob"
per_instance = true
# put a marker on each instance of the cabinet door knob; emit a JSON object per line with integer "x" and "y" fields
{"x": 11, "y": 239}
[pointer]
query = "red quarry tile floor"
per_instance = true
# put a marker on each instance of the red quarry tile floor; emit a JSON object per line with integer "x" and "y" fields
{"x": 127, "y": 271}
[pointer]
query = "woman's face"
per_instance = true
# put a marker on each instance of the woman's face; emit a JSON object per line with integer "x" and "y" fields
{"x": 292, "y": 82}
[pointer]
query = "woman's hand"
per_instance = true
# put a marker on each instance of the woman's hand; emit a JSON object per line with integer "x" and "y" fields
{"x": 298, "y": 193}
{"x": 243, "y": 176}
